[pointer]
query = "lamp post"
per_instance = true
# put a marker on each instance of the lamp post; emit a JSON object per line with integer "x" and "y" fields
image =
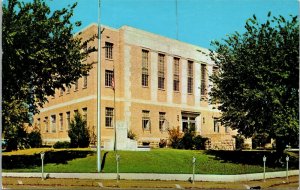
{"x": 118, "y": 159}
{"x": 287, "y": 168}
{"x": 99, "y": 93}
{"x": 194, "y": 162}
{"x": 42, "y": 158}
{"x": 264, "y": 160}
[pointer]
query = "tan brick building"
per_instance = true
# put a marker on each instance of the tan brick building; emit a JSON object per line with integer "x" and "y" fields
{"x": 160, "y": 83}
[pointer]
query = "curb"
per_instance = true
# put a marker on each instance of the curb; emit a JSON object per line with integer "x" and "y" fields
{"x": 154, "y": 176}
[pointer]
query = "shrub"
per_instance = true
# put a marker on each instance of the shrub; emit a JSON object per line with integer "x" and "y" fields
{"x": 78, "y": 132}
{"x": 239, "y": 142}
{"x": 62, "y": 144}
{"x": 175, "y": 138}
{"x": 131, "y": 135}
{"x": 199, "y": 142}
{"x": 260, "y": 140}
{"x": 35, "y": 139}
{"x": 188, "y": 138}
{"x": 162, "y": 143}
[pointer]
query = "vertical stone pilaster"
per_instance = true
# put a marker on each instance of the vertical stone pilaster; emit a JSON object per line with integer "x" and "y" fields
{"x": 154, "y": 80}
{"x": 184, "y": 82}
{"x": 169, "y": 79}
{"x": 127, "y": 84}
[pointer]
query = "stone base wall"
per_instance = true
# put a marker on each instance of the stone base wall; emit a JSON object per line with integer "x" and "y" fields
{"x": 220, "y": 142}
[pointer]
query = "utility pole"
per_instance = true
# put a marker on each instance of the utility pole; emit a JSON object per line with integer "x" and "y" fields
{"x": 99, "y": 93}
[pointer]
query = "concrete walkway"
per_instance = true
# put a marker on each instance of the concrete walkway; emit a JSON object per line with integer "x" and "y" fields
{"x": 153, "y": 176}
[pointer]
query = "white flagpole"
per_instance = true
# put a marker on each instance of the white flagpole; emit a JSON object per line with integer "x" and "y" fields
{"x": 99, "y": 94}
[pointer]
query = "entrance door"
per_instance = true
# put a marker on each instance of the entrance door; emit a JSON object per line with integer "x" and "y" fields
{"x": 188, "y": 120}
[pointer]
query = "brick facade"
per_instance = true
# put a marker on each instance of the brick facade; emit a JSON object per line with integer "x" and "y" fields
{"x": 146, "y": 101}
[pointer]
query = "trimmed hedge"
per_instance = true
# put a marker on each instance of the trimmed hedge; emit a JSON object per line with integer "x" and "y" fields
{"x": 255, "y": 158}
{"x": 27, "y": 161}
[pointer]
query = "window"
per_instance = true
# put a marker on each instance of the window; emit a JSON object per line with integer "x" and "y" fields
{"x": 109, "y": 114}
{"x": 53, "y": 123}
{"x": 75, "y": 112}
{"x": 203, "y": 79}
{"x": 145, "y": 62}
{"x": 161, "y": 71}
{"x": 46, "y": 123}
{"x": 176, "y": 74}
{"x": 61, "y": 121}
{"x": 84, "y": 81}
{"x": 108, "y": 50}
{"x": 146, "y": 120}
{"x": 109, "y": 78}
{"x": 215, "y": 73}
{"x": 216, "y": 125}
{"x": 68, "y": 119}
{"x": 76, "y": 85}
{"x": 162, "y": 118}
{"x": 84, "y": 115}
{"x": 188, "y": 121}
{"x": 190, "y": 77}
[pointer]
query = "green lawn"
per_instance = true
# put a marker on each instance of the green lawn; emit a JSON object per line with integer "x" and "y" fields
{"x": 154, "y": 161}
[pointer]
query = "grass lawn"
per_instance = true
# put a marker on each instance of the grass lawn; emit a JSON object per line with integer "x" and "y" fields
{"x": 154, "y": 161}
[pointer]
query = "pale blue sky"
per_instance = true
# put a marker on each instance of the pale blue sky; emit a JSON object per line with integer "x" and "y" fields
{"x": 199, "y": 21}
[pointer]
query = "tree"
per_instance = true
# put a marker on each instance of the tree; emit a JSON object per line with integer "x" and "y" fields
{"x": 257, "y": 83}
{"x": 40, "y": 54}
{"x": 79, "y": 133}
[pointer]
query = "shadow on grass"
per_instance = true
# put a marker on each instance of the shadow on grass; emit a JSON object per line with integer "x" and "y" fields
{"x": 254, "y": 157}
{"x": 31, "y": 161}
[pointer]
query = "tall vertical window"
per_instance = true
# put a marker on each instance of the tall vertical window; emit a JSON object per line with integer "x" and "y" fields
{"x": 109, "y": 116}
{"x": 61, "y": 122}
{"x": 176, "y": 74}
{"x": 161, "y": 71}
{"x": 215, "y": 73}
{"x": 84, "y": 115}
{"x": 145, "y": 63}
{"x": 108, "y": 50}
{"x": 190, "y": 77}
{"x": 68, "y": 119}
{"x": 162, "y": 118}
{"x": 76, "y": 85}
{"x": 146, "y": 120}
{"x": 85, "y": 82}
{"x": 216, "y": 125}
{"x": 108, "y": 78}
{"x": 203, "y": 79}
{"x": 46, "y": 123}
{"x": 53, "y": 123}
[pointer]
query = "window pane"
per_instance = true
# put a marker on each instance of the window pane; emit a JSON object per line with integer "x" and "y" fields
{"x": 108, "y": 50}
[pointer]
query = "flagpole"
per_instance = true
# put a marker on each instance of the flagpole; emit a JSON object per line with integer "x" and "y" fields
{"x": 115, "y": 126}
{"x": 99, "y": 94}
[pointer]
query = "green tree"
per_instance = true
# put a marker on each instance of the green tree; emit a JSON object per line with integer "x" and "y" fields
{"x": 40, "y": 54}
{"x": 257, "y": 83}
{"x": 78, "y": 132}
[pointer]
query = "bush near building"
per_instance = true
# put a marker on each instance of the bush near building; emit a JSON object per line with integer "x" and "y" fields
{"x": 187, "y": 140}
{"x": 79, "y": 133}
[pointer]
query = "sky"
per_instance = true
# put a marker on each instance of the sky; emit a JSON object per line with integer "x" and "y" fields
{"x": 198, "y": 21}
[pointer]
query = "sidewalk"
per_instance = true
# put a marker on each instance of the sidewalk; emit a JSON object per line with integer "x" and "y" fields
{"x": 153, "y": 176}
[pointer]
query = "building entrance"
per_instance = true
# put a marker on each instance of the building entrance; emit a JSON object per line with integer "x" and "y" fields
{"x": 188, "y": 120}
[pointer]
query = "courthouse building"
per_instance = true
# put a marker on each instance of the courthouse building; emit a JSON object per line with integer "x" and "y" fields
{"x": 157, "y": 83}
